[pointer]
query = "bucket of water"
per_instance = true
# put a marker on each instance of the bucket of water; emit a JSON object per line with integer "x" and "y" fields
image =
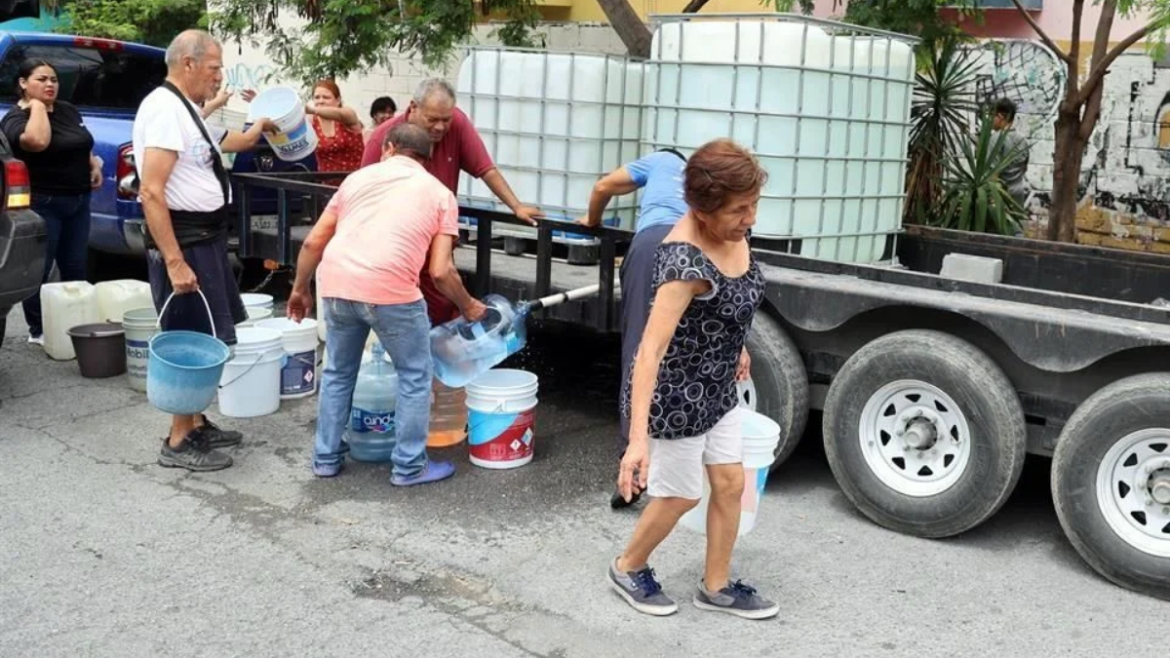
{"x": 184, "y": 367}
{"x": 100, "y": 348}
{"x": 296, "y": 139}
{"x": 761, "y": 435}
{"x": 140, "y": 325}
{"x": 250, "y": 385}
{"x": 501, "y": 407}
{"x": 298, "y": 375}
{"x": 257, "y": 300}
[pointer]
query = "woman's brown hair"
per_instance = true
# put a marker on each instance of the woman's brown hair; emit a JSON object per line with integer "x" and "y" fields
{"x": 719, "y": 169}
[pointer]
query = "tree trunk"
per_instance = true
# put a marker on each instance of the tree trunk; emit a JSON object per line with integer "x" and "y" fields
{"x": 1066, "y": 178}
{"x": 630, "y": 29}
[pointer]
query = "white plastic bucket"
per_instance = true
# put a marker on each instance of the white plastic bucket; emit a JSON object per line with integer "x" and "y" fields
{"x": 140, "y": 325}
{"x": 257, "y": 300}
{"x": 283, "y": 105}
{"x": 298, "y": 375}
{"x": 250, "y": 385}
{"x": 255, "y": 314}
{"x": 501, "y": 408}
{"x": 761, "y": 435}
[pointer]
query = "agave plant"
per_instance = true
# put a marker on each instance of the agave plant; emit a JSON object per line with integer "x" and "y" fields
{"x": 943, "y": 106}
{"x": 974, "y": 197}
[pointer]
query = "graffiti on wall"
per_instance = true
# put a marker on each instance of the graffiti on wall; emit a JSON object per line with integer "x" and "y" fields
{"x": 1025, "y": 72}
{"x": 247, "y": 76}
{"x": 1127, "y": 164}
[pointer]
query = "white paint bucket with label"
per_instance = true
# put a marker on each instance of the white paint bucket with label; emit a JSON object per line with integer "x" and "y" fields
{"x": 296, "y": 139}
{"x": 298, "y": 376}
{"x": 501, "y": 407}
{"x": 140, "y": 325}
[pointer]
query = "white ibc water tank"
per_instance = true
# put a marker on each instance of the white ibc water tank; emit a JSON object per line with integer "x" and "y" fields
{"x": 822, "y": 110}
{"x": 554, "y": 123}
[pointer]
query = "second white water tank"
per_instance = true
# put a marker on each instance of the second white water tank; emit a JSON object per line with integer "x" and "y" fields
{"x": 824, "y": 106}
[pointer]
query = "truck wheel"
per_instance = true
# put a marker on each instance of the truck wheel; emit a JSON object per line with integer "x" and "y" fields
{"x": 924, "y": 433}
{"x": 1111, "y": 482}
{"x": 778, "y": 387}
{"x": 3, "y": 325}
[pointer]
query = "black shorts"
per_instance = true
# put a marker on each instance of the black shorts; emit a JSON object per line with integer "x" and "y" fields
{"x": 209, "y": 261}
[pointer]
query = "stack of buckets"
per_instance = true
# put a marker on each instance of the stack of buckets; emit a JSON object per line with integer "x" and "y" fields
{"x": 274, "y": 359}
{"x": 761, "y": 435}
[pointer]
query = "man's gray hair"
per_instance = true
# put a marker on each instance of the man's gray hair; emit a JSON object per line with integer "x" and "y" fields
{"x": 189, "y": 43}
{"x": 408, "y": 139}
{"x": 430, "y": 87}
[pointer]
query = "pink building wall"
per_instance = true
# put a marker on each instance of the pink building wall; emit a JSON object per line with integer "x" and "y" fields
{"x": 1055, "y": 19}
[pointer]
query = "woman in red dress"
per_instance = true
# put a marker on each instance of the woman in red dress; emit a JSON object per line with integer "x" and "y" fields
{"x": 338, "y": 128}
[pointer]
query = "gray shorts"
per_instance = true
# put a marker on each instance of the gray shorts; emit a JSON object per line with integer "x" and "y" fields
{"x": 676, "y": 465}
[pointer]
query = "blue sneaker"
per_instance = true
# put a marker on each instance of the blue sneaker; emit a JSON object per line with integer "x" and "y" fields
{"x": 736, "y": 599}
{"x": 326, "y": 470}
{"x": 641, "y": 590}
{"x": 432, "y": 472}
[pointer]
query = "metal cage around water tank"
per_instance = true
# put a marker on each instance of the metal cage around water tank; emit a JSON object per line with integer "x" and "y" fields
{"x": 554, "y": 123}
{"x": 824, "y": 105}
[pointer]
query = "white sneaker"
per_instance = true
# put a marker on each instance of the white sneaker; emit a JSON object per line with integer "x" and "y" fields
{"x": 36, "y": 340}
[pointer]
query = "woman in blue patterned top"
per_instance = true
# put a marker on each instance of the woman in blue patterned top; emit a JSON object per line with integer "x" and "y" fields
{"x": 681, "y": 397}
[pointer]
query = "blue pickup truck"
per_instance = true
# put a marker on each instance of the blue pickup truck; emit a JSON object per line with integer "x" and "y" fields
{"x": 107, "y": 81}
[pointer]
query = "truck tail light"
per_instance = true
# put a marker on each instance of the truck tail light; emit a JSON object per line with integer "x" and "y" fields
{"x": 125, "y": 174}
{"x": 19, "y": 194}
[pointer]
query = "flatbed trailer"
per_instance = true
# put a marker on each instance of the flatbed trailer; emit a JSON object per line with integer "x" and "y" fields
{"x": 932, "y": 389}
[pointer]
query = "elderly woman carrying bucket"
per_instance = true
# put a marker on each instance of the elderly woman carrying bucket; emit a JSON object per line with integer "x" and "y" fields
{"x": 681, "y": 397}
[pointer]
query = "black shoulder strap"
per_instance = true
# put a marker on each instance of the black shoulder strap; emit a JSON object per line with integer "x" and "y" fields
{"x": 216, "y": 161}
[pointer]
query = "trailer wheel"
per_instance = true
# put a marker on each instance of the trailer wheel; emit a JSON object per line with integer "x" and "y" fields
{"x": 778, "y": 387}
{"x": 1111, "y": 482}
{"x": 924, "y": 433}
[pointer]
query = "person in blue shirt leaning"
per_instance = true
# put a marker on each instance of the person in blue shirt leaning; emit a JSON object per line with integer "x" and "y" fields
{"x": 660, "y": 177}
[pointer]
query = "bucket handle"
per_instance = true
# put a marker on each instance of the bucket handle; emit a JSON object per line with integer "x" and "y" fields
{"x": 210, "y": 317}
{"x": 245, "y": 373}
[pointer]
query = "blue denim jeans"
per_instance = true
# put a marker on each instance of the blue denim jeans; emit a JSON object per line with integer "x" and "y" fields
{"x": 404, "y": 331}
{"x": 67, "y": 224}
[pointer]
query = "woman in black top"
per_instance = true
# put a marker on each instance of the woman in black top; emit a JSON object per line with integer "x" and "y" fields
{"x": 681, "y": 396}
{"x": 50, "y": 136}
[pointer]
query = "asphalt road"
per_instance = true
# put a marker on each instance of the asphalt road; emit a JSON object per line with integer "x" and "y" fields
{"x": 103, "y": 553}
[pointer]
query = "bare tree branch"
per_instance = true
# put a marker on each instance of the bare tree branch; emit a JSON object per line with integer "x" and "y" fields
{"x": 1099, "y": 70}
{"x": 1040, "y": 31}
{"x": 1092, "y": 113}
{"x": 1074, "y": 53}
{"x": 694, "y": 6}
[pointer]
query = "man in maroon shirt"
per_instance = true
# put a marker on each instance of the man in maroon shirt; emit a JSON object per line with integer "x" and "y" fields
{"x": 456, "y": 147}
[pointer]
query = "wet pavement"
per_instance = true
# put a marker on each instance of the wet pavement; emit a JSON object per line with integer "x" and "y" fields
{"x": 103, "y": 553}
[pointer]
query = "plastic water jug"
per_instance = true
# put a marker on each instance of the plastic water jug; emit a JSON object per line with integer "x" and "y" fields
{"x": 66, "y": 305}
{"x": 371, "y": 421}
{"x": 448, "y": 416}
{"x": 114, "y": 298}
{"x": 464, "y": 350}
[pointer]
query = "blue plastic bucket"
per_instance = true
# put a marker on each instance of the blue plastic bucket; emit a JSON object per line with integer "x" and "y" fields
{"x": 183, "y": 373}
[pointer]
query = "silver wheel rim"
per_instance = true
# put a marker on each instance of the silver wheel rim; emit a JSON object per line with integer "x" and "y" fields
{"x": 747, "y": 394}
{"x": 1133, "y": 490}
{"x": 914, "y": 438}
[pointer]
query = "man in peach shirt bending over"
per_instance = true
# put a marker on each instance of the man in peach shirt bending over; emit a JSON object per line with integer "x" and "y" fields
{"x": 371, "y": 243}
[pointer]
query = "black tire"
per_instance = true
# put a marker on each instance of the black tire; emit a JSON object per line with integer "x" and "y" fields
{"x": 3, "y": 323}
{"x": 986, "y": 401}
{"x": 515, "y": 246}
{"x": 780, "y": 380}
{"x": 1095, "y": 431}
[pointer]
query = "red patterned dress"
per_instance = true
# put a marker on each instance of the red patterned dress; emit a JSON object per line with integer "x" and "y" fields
{"x": 342, "y": 151}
